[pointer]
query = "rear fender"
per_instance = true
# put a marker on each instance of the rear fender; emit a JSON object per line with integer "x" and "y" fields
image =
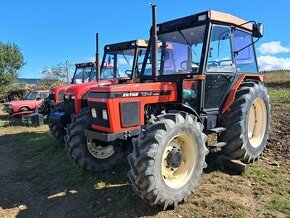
{"x": 231, "y": 97}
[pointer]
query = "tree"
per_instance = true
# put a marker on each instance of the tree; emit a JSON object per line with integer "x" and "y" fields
{"x": 52, "y": 76}
{"x": 11, "y": 61}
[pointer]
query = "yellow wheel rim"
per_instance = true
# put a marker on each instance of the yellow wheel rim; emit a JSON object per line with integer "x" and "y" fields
{"x": 184, "y": 147}
{"x": 98, "y": 151}
{"x": 257, "y": 122}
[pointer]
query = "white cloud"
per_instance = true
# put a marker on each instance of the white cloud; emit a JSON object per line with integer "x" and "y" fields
{"x": 273, "y": 47}
{"x": 268, "y": 63}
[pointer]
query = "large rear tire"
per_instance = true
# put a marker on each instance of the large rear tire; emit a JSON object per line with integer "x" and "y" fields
{"x": 168, "y": 159}
{"x": 87, "y": 154}
{"x": 247, "y": 122}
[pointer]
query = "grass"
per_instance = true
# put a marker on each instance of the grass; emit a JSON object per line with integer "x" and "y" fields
{"x": 280, "y": 95}
{"x": 57, "y": 185}
{"x": 277, "y": 77}
{"x": 280, "y": 204}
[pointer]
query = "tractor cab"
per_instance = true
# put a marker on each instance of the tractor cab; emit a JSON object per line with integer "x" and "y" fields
{"x": 209, "y": 52}
{"x": 124, "y": 60}
{"x": 84, "y": 72}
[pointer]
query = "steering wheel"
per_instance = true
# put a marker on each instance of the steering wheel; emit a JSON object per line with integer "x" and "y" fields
{"x": 128, "y": 72}
{"x": 194, "y": 65}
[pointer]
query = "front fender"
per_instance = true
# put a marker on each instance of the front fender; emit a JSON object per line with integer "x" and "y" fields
{"x": 185, "y": 108}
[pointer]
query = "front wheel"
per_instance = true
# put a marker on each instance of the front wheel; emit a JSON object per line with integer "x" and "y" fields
{"x": 168, "y": 159}
{"x": 88, "y": 154}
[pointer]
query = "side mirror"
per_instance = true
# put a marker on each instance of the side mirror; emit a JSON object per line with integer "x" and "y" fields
{"x": 38, "y": 99}
{"x": 258, "y": 30}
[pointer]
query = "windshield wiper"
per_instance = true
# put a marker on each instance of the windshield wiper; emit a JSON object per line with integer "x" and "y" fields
{"x": 189, "y": 46}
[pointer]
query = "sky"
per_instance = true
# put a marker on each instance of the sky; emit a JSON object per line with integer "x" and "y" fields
{"x": 50, "y": 32}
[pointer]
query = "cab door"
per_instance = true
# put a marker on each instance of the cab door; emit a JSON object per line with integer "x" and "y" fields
{"x": 220, "y": 68}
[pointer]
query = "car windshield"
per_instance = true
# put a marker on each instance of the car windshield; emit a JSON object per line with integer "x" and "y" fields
{"x": 31, "y": 96}
{"x": 181, "y": 51}
{"x": 118, "y": 64}
{"x": 83, "y": 74}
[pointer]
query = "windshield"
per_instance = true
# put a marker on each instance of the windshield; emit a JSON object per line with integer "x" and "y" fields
{"x": 118, "y": 64}
{"x": 31, "y": 96}
{"x": 181, "y": 51}
{"x": 84, "y": 74}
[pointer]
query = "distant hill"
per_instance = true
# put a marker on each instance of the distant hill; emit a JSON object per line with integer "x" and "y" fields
{"x": 28, "y": 81}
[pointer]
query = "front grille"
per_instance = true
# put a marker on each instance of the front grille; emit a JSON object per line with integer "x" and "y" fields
{"x": 130, "y": 113}
{"x": 69, "y": 106}
{"x": 99, "y": 121}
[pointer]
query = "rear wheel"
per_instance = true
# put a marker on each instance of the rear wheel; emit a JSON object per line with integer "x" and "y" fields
{"x": 247, "y": 122}
{"x": 85, "y": 152}
{"x": 168, "y": 159}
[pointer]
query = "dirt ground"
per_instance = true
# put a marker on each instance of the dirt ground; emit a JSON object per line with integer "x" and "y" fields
{"x": 37, "y": 179}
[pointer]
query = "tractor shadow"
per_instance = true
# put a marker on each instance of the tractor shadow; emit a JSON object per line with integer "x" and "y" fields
{"x": 39, "y": 179}
{"x": 216, "y": 161}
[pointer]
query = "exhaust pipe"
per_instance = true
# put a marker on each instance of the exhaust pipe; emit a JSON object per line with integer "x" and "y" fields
{"x": 154, "y": 47}
{"x": 97, "y": 58}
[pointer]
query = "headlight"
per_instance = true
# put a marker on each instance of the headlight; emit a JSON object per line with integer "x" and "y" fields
{"x": 104, "y": 114}
{"x": 94, "y": 113}
{"x": 66, "y": 96}
{"x": 73, "y": 97}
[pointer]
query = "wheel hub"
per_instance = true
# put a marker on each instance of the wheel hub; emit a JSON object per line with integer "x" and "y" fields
{"x": 178, "y": 160}
{"x": 98, "y": 151}
{"x": 174, "y": 158}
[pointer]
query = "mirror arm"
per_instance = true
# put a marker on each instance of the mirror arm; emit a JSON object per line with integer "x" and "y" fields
{"x": 251, "y": 21}
{"x": 237, "y": 52}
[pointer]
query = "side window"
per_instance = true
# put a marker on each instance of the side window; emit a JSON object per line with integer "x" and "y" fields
{"x": 43, "y": 95}
{"x": 148, "y": 67}
{"x": 220, "y": 58}
{"x": 245, "y": 59}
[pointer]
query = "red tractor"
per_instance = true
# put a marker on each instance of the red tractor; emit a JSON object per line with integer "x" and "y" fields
{"x": 207, "y": 84}
{"x": 84, "y": 72}
{"x": 119, "y": 61}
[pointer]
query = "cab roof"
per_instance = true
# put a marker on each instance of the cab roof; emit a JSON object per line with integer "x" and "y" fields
{"x": 212, "y": 16}
{"x": 127, "y": 45}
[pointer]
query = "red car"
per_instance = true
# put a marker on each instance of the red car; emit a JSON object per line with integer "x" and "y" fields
{"x": 26, "y": 106}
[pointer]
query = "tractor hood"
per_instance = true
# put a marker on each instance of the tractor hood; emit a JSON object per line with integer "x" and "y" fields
{"x": 56, "y": 88}
{"x": 136, "y": 87}
{"x": 79, "y": 89}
